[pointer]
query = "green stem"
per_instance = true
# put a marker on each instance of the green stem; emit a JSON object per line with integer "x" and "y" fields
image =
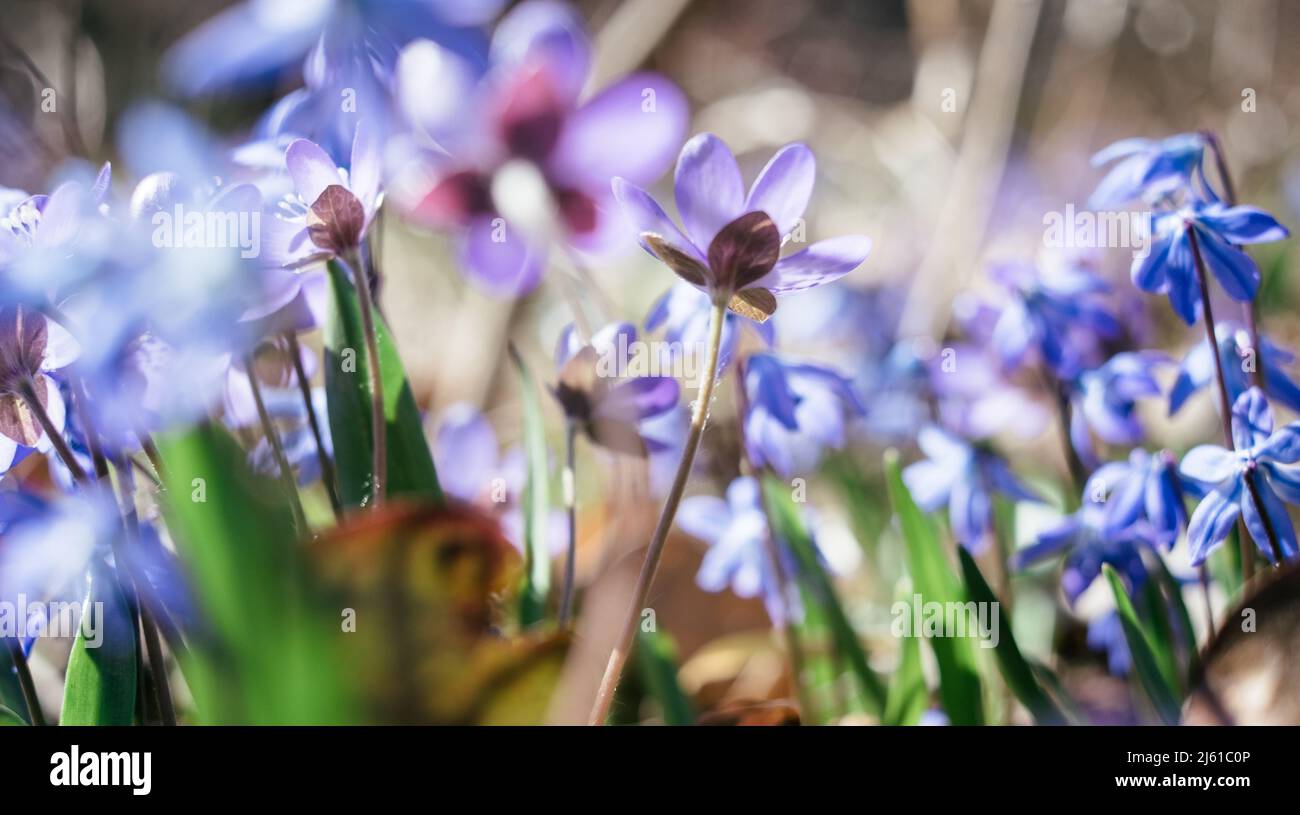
{"x": 378, "y": 424}
{"x": 28, "y": 392}
{"x": 25, "y": 681}
{"x": 622, "y": 648}
{"x": 569, "y": 484}
{"x": 277, "y": 448}
{"x": 304, "y": 388}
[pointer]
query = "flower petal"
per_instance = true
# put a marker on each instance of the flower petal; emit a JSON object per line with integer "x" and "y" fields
{"x": 710, "y": 192}
{"x": 1211, "y": 521}
{"x": 311, "y": 168}
{"x": 820, "y": 263}
{"x": 1210, "y": 464}
{"x": 785, "y": 185}
{"x": 1279, "y": 522}
{"x": 508, "y": 267}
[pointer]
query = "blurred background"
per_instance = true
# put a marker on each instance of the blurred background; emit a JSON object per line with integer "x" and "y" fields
{"x": 943, "y": 129}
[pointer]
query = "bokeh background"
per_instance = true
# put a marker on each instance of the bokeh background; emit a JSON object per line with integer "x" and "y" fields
{"x": 944, "y": 129}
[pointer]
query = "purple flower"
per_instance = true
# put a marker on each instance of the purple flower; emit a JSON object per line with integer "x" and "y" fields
{"x": 1104, "y": 401}
{"x": 795, "y": 411}
{"x": 1148, "y": 168}
{"x": 1106, "y": 635}
{"x": 597, "y": 394}
{"x": 976, "y": 401}
{"x": 1238, "y": 360}
{"x": 1169, "y": 265}
{"x": 31, "y": 347}
{"x": 731, "y": 247}
{"x": 1146, "y": 488}
{"x": 1259, "y": 457}
{"x": 1087, "y": 544}
{"x": 518, "y": 160}
{"x": 964, "y": 477}
{"x": 339, "y": 206}
{"x": 1055, "y": 312}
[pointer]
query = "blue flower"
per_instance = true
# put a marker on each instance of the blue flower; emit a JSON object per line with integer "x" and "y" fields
{"x": 1088, "y": 545}
{"x": 1148, "y": 167}
{"x": 964, "y": 477}
{"x": 683, "y": 313}
{"x": 1147, "y": 488}
{"x": 31, "y": 349}
{"x": 976, "y": 401}
{"x": 1055, "y": 311}
{"x": 1259, "y": 457}
{"x": 1197, "y": 369}
{"x": 1169, "y": 265}
{"x": 795, "y": 411}
{"x": 1104, "y": 401}
{"x": 1106, "y": 634}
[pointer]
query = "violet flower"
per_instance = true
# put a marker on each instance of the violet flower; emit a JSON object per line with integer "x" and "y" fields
{"x": 1146, "y": 488}
{"x": 731, "y": 248}
{"x": 1103, "y": 401}
{"x": 683, "y": 313}
{"x": 1250, "y": 481}
{"x": 1087, "y": 545}
{"x": 604, "y": 402}
{"x": 1147, "y": 168}
{"x": 519, "y": 161}
{"x": 1239, "y": 361}
{"x": 31, "y": 347}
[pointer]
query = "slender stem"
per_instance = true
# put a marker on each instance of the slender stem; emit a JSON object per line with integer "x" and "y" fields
{"x": 1225, "y": 406}
{"x": 569, "y": 483}
{"x": 622, "y": 648}
{"x": 1078, "y": 473}
{"x": 277, "y": 448}
{"x": 25, "y": 681}
{"x": 378, "y": 424}
{"x": 304, "y": 388}
{"x": 28, "y": 392}
{"x": 151, "y": 453}
{"x": 81, "y": 404}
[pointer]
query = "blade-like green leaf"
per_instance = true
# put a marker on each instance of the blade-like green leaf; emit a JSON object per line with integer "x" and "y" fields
{"x": 787, "y": 526}
{"x": 1015, "y": 670}
{"x": 1144, "y": 659}
{"x": 347, "y": 389}
{"x": 11, "y": 690}
{"x": 1161, "y": 633}
{"x": 1182, "y": 618}
{"x": 536, "y": 503}
{"x": 656, "y": 658}
{"x": 263, "y": 655}
{"x": 933, "y": 578}
{"x": 100, "y": 684}
{"x": 8, "y": 718}
{"x": 908, "y": 695}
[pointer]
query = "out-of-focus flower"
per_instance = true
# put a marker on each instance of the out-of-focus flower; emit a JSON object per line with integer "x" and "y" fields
{"x": 1169, "y": 266}
{"x": 1239, "y": 362}
{"x": 1147, "y": 168}
{"x": 1088, "y": 546}
{"x": 1259, "y": 457}
{"x": 339, "y": 205}
{"x": 976, "y": 401}
{"x": 739, "y": 555}
{"x": 1145, "y": 488}
{"x": 795, "y": 411}
{"x": 1104, "y": 401}
{"x": 31, "y": 347}
{"x": 1055, "y": 311}
{"x": 731, "y": 248}
{"x": 1106, "y": 635}
{"x": 518, "y": 160}
{"x": 597, "y": 394}
{"x": 683, "y": 313}
{"x": 964, "y": 477}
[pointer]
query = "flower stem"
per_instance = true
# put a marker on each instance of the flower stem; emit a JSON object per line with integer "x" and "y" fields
{"x": 378, "y": 424}
{"x": 304, "y": 388}
{"x": 277, "y": 448}
{"x": 622, "y": 648}
{"x": 25, "y": 681}
{"x": 569, "y": 480}
{"x": 28, "y": 392}
{"x": 1225, "y": 410}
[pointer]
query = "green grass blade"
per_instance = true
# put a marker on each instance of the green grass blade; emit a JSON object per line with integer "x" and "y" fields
{"x": 933, "y": 579}
{"x": 100, "y": 685}
{"x": 656, "y": 658}
{"x": 1015, "y": 670}
{"x": 8, "y": 718}
{"x": 908, "y": 695}
{"x": 347, "y": 388}
{"x": 788, "y": 527}
{"x": 536, "y": 503}
{"x": 1145, "y": 663}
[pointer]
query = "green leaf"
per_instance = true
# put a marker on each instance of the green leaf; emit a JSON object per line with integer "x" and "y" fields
{"x": 1015, "y": 670}
{"x": 1161, "y": 633}
{"x": 100, "y": 684}
{"x": 787, "y": 526}
{"x": 1144, "y": 659}
{"x": 347, "y": 389}
{"x": 11, "y": 690}
{"x": 908, "y": 695}
{"x": 264, "y": 655}
{"x": 8, "y": 718}
{"x": 1174, "y": 592}
{"x": 536, "y": 503}
{"x": 656, "y": 658}
{"x": 959, "y": 682}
